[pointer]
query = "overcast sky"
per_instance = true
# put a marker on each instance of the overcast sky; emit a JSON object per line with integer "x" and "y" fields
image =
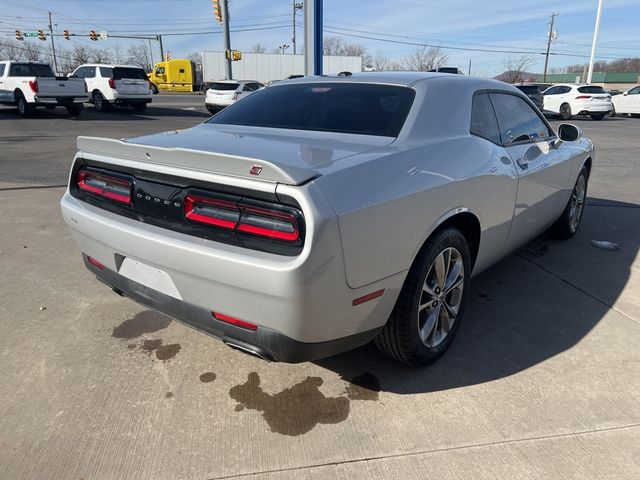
{"x": 386, "y": 26}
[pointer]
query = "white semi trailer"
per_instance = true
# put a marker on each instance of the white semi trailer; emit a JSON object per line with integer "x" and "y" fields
{"x": 265, "y": 67}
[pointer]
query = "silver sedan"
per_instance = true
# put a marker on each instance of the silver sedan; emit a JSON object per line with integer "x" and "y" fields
{"x": 319, "y": 214}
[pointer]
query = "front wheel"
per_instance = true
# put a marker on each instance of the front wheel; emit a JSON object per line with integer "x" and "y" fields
{"x": 431, "y": 302}
{"x": 567, "y": 225}
{"x": 565, "y": 111}
{"x": 598, "y": 116}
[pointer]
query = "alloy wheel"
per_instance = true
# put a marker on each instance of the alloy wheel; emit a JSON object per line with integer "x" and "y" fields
{"x": 577, "y": 202}
{"x": 441, "y": 297}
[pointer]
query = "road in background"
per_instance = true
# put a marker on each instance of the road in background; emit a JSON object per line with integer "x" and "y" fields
{"x": 541, "y": 382}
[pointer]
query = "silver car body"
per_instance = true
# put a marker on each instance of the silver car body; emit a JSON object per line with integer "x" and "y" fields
{"x": 369, "y": 204}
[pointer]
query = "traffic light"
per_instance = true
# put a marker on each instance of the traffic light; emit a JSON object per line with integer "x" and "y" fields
{"x": 233, "y": 55}
{"x": 216, "y": 11}
{"x": 41, "y": 35}
{"x": 93, "y": 36}
{"x": 67, "y": 35}
{"x": 19, "y": 35}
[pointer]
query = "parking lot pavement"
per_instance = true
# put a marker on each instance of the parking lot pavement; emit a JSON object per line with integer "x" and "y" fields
{"x": 541, "y": 382}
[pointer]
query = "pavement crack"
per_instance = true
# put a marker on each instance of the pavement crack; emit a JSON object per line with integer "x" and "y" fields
{"x": 435, "y": 450}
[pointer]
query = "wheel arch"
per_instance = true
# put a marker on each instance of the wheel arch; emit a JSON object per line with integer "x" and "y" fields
{"x": 587, "y": 164}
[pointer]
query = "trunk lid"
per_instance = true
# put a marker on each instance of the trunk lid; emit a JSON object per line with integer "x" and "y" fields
{"x": 268, "y": 155}
{"x": 67, "y": 87}
{"x": 131, "y": 81}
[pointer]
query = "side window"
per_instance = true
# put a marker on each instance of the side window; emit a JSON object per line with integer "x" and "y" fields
{"x": 90, "y": 72}
{"x": 79, "y": 73}
{"x": 483, "y": 119}
{"x": 563, "y": 90}
{"x": 106, "y": 72}
{"x": 250, "y": 87}
{"x": 1, "y": 69}
{"x": 182, "y": 70}
{"x": 633, "y": 91}
{"x": 517, "y": 120}
{"x": 551, "y": 91}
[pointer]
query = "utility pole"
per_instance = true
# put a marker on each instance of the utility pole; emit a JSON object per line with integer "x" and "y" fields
{"x": 53, "y": 46}
{"x": 161, "y": 48}
{"x": 546, "y": 58}
{"x": 593, "y": 46}
{"x": 469, "y": 67}
{"x": 296, "y": 7}
{"x": 224, "y": 4}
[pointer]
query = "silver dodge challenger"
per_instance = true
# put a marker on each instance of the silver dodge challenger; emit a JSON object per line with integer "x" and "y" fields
{"x": 322, "y": 213}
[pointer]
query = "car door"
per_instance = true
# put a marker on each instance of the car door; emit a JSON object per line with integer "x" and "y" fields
{"x": 549, "y": 99}
{"x": 3, "y": 90}
{"x": 631, "y": 101}
{"x": 544, "y": 171}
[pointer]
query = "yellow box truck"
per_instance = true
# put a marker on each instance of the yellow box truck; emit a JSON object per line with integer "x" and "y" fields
{"x": 173, "y": 76}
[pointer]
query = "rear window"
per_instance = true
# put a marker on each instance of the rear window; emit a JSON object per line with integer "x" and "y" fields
{"x": 529, "y": 89}
{"x": 364, "y": 109}
{"x": 30, "y": 70}
{"x": 224, "y": 86}
{"x": 124, "y": 72}
{"x": 591, "y": 89}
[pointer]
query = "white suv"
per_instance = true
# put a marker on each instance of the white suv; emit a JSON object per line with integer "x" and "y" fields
{"x": 115, "y": 85}
{"x": 568, "y": 100}
{"x": 627, "y": 102}
{"x": 225, "y": 92}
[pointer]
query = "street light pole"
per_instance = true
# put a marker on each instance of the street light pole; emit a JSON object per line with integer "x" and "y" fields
{"x": 224, "y": 8}
{"x": 593, "y": 46}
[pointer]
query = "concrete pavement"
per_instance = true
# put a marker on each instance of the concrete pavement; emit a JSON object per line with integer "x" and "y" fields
{"x": 541, "y": 382}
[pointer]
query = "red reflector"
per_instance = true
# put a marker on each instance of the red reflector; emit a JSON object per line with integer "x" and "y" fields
{"x": 105, "y": 186}
{"x": 583, "y": 97}
{"x": 367, "y": 297}
{"x": 234, "y": 321}
{"x": 220, "y": 213}
{"x": 95, "y": 262}
{"x": 33, "y": 85}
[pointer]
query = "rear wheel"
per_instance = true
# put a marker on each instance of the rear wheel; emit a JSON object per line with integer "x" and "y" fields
{"x": 635, "y": 115}
{"x": 154, "y": 89}
{"x": 100, "y": 103}
{"x": 24, "y": 108}
{"x": 75, "y": 110}
{"x": 212, "y": 110}
{"x": 140, "y": 107}
{"x": 612, "y": 113}
{"x": 598, "y": 116}
{"x": 431, "y": 302}
{"x": 565, "y": 111}
{"x": 567, "y": 225}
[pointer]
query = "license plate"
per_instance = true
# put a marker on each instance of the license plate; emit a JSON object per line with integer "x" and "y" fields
{"x": 149, "y": 276}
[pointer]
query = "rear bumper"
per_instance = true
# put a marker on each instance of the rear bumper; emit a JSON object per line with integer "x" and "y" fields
{"x": 60, "y": 100}
{"x": 219, "y": 102}
{"x": 263, "y": 342}
{"x": 123, "y": 99}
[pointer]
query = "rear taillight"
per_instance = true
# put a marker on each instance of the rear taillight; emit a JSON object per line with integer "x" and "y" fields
{"x": 112, "y": 83}
{"x": 263, "y": 222}
{"x": 33, "y": 85}
{"x": 583, "y": 97}
{"x": 105, "y": 186}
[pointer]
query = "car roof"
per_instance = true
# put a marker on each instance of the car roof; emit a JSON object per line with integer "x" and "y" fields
{"x": 109, "y": 65}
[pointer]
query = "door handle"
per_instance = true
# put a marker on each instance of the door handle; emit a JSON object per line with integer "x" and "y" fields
{"x": 523, "y": 163}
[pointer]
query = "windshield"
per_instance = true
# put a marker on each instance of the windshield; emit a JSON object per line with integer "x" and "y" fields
{"x": 125, "y": 72}
{"x": 30, "y": 70}
{"x": 365, "y": 109}
{"x": 591, "y": 89}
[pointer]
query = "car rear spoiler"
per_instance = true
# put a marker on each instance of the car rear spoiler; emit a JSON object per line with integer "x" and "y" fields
{"x": 195, "y": 160}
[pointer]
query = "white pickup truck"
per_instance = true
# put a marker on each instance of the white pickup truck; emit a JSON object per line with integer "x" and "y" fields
{"x": 28, "y": 85}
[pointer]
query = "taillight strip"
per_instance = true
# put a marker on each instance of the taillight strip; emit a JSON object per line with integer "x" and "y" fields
{"x": 191, "y": 203}
{"x": 104, "y": 186}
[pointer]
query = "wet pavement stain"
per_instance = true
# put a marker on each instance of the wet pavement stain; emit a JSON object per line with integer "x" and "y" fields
{"x": 167, "y": 352}
{"x": 207, "y": 377}
{"x": 293, "y": 411}
{"x": 363, "y": 387}
{"x": 151, "y": 345}
{"x": 143, "y": 322}
{"x": 168, "y": 395}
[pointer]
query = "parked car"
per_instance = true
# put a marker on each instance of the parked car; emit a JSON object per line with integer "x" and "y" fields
{"x": 28, "y": 85}
{"x": 628, "y": 103}
{"x": 111, "y": 85}
{"x": 225, "y": 92}
{"x": 321, "y": 213}
{"x": 454, "y": 70}
{"x": 533, "y": 92}
{"x": 568, "y": 100}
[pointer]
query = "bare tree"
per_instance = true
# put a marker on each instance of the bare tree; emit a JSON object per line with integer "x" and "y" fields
{"x": 11, "y": 50}
{"x": 381, "y": 62}
{"x": 118, "y": 54}
{"x": 425, "y": 58}
{"x": 332, "y": 45}
{"x": 100, "y": 55}
{"x": 32, "y": 52}
{"x": 258, "y": 48}
{"x": 516, "y": 68}
{"x": 81, "y": 54}
{"x": 139, "y": 55}
{"x": 195, "y": 57}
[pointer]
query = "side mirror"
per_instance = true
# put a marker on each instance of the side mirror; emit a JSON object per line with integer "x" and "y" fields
{"x": 568, "y": 133}
{"x": 625, "y": 93}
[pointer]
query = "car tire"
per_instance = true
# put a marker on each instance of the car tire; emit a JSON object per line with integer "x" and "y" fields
{"x": 24, "y": 108}
{"x": 567, "y": 225}
{"x": 212, "y": 110}
{"x": 565, "y": 111}
{"x": 100, "y": 103}
{"x": 75, "y": 110}
{"x": 140, "y": 107}
{"x": 635, "y": 115}
{"x": 421, "y": 327}
{"x": 598, "y": 116}
{"x": 612, "y": 113}
{"x": 154, "y": 89}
